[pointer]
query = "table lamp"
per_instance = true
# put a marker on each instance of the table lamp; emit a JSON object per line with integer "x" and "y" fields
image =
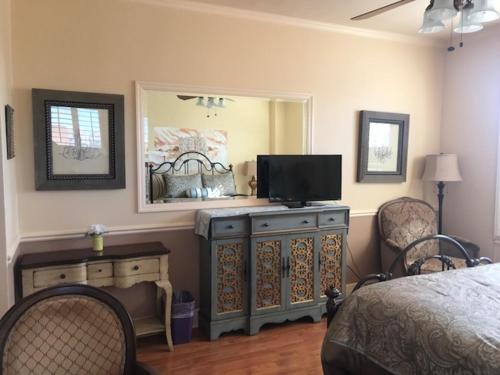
{"x": 251, "y": 170}
{"x": 441, "y": 168}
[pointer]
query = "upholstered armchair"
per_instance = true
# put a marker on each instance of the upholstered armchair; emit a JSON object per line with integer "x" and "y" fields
{"x": 71, "y": 329}
{"x": 405, "y": 220}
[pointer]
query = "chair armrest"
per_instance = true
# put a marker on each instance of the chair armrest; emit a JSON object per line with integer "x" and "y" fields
{"x": 392, "y": 244}
{"x": 143, "y": 369}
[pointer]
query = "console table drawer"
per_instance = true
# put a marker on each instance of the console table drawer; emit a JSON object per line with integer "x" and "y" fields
{"x": 283, "y": 222}
{"x": 332, "y": 218}
{"x": 229, "y": 227}
{"x": 137, "y": 267}
{"x": 43, "y": 278}
{"x": 99, "y": 270}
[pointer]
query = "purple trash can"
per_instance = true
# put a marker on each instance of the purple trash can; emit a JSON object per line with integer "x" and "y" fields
{"x": 183, "y": 308}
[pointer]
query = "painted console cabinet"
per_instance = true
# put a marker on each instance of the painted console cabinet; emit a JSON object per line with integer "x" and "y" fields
{"x": 270, "y": 266}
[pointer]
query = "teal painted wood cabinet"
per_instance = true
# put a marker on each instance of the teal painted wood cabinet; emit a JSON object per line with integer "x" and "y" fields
{"x": 270, "y": 266}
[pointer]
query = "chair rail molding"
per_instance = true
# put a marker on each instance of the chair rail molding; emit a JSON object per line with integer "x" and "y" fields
{"x": 142, "y": 86}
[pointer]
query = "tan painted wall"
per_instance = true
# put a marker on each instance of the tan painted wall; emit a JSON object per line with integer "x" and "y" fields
{"x": 471, "y": 117}
{"x": 288, "y": 133}
{"x": 8, "y": 194}
{"x": 103, "y": 46}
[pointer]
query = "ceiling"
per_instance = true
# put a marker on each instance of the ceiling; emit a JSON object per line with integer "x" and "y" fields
{"x": 405, "y": 20}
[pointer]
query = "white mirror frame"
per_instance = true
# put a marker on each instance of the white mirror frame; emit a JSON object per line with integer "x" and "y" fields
{"x": 141, "y": 87}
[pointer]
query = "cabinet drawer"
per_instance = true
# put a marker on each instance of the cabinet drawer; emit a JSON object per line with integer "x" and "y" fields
{"x": 332, "y": 218}
{"x": 43, "y": 278}
{"x": 283, "y": 222}
{"x": 99, "y": 270}
{"x": 136, "y": 267}
{"x": 229, "y": 227}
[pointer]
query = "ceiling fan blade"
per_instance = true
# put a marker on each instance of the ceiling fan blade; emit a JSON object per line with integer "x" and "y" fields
{"x": 381, "y": 10}
{"x": 186, "y": 97}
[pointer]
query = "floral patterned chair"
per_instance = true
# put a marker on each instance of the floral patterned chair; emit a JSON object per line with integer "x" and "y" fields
{"x": 405, "y": 220}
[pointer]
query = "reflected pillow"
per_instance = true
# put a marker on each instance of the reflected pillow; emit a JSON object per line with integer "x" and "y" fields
{"x": 178, "y": 184}
{"x": 159, "y": 187}
{"x": 202, "y": 193}
{"x": 223, "y": 182}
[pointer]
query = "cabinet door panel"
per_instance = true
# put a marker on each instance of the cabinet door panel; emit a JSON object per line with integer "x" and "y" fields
{"x": 267, "y": 274}
{"x": 331, "y": 260}
{"x": 230, "y": 278}
{"x": 301, "y": 270}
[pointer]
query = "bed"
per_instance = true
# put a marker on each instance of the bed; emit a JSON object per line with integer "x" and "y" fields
{"x": 440, "y": 323}
{"x": 192, "y": 176}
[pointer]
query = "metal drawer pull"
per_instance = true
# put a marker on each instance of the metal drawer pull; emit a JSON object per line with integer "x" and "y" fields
{"x": 265, "y": 225}
{"x": 63, "y": 276}
{"x": 331, "y": 219}
{"x": 230, "y": 226}
{"x": 136, "y": 268}
{"x": 305, "y": 222}
{"x": 99, "y": 270}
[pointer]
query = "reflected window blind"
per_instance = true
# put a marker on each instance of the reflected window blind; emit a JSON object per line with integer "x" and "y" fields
{"x": 76, "y": 127}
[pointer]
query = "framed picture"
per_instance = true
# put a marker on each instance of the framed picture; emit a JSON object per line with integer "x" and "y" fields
{"x": 79, "y": 140}
{"x": 9, "y": 130}
{"x": 383, "y": 147}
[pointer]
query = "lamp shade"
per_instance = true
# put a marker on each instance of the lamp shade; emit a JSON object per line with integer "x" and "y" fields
{"x": 465, "y": 23}
{"x": 443, "y": 10}
{"x": 430, "y": 25}
{"x": 442, "y": 167}
{"x": 250, "y": 168}
{"x": 484, "y": 11}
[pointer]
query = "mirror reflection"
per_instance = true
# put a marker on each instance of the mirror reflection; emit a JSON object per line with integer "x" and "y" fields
{"x": 203, "y": 146}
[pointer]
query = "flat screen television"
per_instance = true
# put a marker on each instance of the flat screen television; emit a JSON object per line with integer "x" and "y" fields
{"x": 296, "y": 180}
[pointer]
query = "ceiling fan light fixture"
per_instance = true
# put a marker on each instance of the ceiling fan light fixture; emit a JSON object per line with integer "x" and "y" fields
{"x": 443, "y": 10}
{"x": 200, "y": 101}
{"x": 465, "y": 23}
{"x": 484, "y": 11}
{"x": 430, "y": 25}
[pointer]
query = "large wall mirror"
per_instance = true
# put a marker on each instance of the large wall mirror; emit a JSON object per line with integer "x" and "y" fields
{"x": 198, "y": 146}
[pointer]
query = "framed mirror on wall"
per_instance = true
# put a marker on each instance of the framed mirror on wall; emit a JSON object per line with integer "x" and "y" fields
{"x": 79, "y": 140}
{"x": 197, "y": 146}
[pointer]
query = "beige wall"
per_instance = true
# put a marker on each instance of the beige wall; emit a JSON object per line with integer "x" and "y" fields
{"x": 8, "y": 195}
{"x": 246, "y": 121}
{"x": 471, "y": 117}
{"x": 288, "y": 133}
{"x": 103, "y": 46}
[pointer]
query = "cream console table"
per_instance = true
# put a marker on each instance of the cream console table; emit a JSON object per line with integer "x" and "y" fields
{"x": 268, "y": 264}
{"x": 119, "y": 266}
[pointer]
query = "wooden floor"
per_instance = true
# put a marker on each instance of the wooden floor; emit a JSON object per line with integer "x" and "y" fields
{"x": 290, "y": 348}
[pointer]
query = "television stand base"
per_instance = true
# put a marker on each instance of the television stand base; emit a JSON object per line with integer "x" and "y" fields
{"x": 302, "y": 204}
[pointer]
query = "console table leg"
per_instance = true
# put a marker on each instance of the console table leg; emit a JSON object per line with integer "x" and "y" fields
{"x": 165, "y": 286}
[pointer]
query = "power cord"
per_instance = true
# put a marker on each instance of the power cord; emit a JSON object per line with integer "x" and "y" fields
{"x": 357, "y": 271}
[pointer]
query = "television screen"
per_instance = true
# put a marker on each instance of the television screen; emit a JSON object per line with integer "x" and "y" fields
{"x": 299, "y": 178}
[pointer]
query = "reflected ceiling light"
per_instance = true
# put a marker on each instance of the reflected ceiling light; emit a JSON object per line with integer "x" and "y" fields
{"x": 200, "y": 101}
{"x": 465, "y": 23}
{"x": 210, "y": 102}
{"x": 221, "y": 103}
{"x": 484, "y": 11}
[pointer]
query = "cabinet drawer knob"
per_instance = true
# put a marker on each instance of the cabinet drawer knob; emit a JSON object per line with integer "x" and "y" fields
{"x": 331, "y": 219}
{"x": 99, "y": 270}
{"x": 305, "y": 222}
{"x": 62, "y": 276}
{"x": 136, "y": 268}
{"x": 230, "y": 226}
{"x": 265, "y": 225}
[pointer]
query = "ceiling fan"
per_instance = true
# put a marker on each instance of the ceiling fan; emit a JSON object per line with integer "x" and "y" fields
{"x": 381, "y": 10}
{"x": 211, "y": 101}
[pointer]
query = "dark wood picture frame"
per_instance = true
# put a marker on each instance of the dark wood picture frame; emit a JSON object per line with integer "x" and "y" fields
{"x": 9, "y": 132}
{"x": 45, "y": 177}
{"x": 367, "y": 119}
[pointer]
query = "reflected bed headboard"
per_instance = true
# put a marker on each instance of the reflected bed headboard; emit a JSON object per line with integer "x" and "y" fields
{"x": 185, "y": 164}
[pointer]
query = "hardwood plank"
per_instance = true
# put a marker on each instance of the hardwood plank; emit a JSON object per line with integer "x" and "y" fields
{"x": 290, "y": 348}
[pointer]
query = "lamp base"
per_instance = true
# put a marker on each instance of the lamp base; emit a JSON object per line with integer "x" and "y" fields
{"x": 253, "y": 185}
